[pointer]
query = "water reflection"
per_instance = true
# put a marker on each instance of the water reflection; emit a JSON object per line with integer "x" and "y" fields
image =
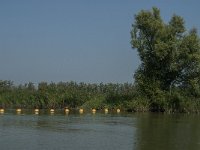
{"x": 167, "y": 132}
{"x": 36, "y": 113}
{"x": 100, "y": 131}
{"x": 59, "y": 131}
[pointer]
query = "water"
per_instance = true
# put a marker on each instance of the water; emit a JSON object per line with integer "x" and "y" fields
{"x": 99, "y": 131}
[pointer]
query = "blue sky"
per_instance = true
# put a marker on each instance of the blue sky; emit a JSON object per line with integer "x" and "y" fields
{"x": 78, "y": 40}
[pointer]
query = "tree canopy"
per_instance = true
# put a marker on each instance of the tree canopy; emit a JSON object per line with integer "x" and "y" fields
{"x": 170, "y": 57}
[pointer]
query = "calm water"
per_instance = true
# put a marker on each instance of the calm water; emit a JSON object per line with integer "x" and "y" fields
{"x": 99, "y": 131}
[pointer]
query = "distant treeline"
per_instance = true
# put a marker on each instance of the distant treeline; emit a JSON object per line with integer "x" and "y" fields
{"x": 81, "y": 95}
{"x": 65, "y": 94}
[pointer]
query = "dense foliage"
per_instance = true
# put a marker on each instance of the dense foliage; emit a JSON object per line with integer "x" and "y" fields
{"x": 169, "y": 75}
{"x": 65, "y": 94}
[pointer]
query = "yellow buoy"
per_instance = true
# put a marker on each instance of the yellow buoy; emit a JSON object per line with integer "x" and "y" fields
{"x": 18, "y": 110}
{"x": 93, "y": 111}
{"x": 118, "y": 110}
{"x": 37, "y": 110}
{"x": 2, "y": 110}
{"x": 81, "y": 110}
{"x": 51, "y": 110}
{"x": 106, "y": 110}
{"x": 66, "y": 110}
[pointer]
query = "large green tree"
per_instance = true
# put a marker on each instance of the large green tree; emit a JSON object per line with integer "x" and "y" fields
{"x": 169, "y": 54}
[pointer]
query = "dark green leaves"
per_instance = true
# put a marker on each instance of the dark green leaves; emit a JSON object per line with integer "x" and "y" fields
{"x": 170, "y": 56}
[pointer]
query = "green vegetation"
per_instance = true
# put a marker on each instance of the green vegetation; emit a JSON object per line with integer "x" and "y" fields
{"x": 65, "y": 94}
{"x": 168, "y": 78}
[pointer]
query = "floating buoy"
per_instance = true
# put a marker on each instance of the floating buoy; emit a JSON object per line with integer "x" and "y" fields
{"x": 37, "y": 110}
{"x": 81, "y": 110}
{"x": 66, "y": 110}
{"x": 106, "y": 110}
{"x": 51, "y": 110}
{"x": 1, "y": 110}
{"x": 18, "y": 110}
{"x": 118, "y": 110}
{"x": 93, "y": 111}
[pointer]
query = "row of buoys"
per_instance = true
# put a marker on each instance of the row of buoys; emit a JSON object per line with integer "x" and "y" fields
{"x": 19, "y": 110}
{"x": 81, "y": 110}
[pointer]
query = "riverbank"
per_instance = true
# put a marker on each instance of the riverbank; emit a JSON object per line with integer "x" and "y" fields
{"x": 88, "y": 96}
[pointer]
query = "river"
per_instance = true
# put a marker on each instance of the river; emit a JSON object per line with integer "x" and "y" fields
{"x": 124, "y": 131}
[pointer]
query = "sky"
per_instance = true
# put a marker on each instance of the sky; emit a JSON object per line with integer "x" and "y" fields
{"x": 76, "y": 40}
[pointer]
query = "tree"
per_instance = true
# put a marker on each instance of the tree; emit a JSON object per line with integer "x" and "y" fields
{"x": 170, "y": 56}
